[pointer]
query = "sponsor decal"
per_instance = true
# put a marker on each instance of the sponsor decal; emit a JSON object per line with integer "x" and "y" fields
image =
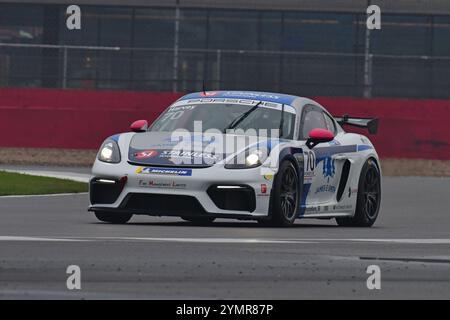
{"x": 263, "y": 191}
{"x": 145, "y": 154}
{"x": 187, "y": 154}
{"x": 312, "y": 210}
{"x": 161, "y": 184}
{"x": 326, "y": 188}
{"x": 181, "y": 108}
{"x": 343, "y": 207}
{"x": 329, "y": 169}
{"x": 155, "y": 170}
{"x": 263, "y": 188}
{"x": 268, "y": 176}
{"x": 250, "y": 94}
{"x": 309, "y": 176}
{"x": 310, "y": 165}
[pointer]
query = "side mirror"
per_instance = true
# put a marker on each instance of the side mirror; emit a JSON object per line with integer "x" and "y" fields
{"x": 139, "y": 126}
{"x": 317, "y": 136}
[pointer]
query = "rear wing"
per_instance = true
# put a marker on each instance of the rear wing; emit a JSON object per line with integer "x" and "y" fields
{"x": 370, "y": 124}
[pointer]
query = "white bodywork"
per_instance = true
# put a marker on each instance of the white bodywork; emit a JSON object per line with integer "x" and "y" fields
{"x": 322, "y": 168}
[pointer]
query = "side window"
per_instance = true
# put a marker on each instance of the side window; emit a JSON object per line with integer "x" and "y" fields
{"x": 312, "y": 119}
{"x": 330, "y": 123}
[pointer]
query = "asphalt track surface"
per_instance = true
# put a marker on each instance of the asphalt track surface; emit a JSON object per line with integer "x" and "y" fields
{"x": 166, "y": 258}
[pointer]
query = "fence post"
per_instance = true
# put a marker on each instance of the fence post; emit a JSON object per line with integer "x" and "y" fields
{"x": 176, "y": 48}
{"x": 64, "y": 75}
{"x": 218, "y": 71}
{"x": 368, "y": 76}
{"x": 367, "y": 63}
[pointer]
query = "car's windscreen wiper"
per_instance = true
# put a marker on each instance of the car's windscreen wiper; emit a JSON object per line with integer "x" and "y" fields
{"x": 241, "y": 118}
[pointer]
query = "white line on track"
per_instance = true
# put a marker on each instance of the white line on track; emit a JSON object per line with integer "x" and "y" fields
{"x": 225, "y": 240}
{"x": 375, "y": 240}
{"x": 131, "y": 239}
{"x": 403, "y": 241}
{"x": 15, "y": 238}
{"x": 212, "y": 240}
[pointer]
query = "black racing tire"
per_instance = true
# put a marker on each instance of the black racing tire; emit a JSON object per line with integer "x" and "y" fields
{"x": 199, "y": 220}
{"x": 368, "y": 199}
{"x": 113, "y": 217}
{"x": 285, "y": 197}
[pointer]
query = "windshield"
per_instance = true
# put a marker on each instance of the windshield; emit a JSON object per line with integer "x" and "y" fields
{"x": 222, "y": 116}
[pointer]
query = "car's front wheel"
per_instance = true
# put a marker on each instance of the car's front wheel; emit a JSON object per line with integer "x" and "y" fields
{"x": 369, "y": 198}
{"x": 112, "y": 217}
{"x": 285, "y": 195}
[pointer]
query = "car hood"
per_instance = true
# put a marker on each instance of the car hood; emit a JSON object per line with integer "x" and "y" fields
{"x": 192, "y": 150}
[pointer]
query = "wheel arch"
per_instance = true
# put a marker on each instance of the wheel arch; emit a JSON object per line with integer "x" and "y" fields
{"x": 353, "y": 180}
{"x": 377, "y": 163}
{"x": 287, "y": 154}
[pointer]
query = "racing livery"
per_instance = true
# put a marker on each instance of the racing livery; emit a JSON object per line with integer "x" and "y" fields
{"x": 243, "y": 155}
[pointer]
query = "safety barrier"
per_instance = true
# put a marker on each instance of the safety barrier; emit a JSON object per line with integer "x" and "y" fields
{"x": 81, "y": 119}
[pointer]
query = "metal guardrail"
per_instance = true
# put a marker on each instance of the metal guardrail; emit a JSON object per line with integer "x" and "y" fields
{"x": 169, "y": 69}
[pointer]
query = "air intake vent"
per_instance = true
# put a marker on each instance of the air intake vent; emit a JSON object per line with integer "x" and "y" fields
{"x": 344, "y": 179}
{"x": 235, "y": 198}
{"x": 163, "y": 204}
{"x": 105, "y": 191}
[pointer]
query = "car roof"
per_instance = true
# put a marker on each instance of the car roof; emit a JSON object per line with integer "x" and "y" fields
{"x": 255, "y": 95}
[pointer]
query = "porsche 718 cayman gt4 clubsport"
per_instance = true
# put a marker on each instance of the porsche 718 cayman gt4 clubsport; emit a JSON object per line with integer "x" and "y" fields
{"x": 242, "y": 155}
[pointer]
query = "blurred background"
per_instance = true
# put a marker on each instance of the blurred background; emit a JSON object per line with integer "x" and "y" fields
{"x": 71, "y": 88}
{"x": 318, "y": 49}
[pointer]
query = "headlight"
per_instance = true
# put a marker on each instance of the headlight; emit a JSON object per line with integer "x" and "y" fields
{"x": 109, "y": 152}
{"x": 253, "y": 159}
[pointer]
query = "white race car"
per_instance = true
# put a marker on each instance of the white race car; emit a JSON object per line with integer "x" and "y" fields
{"x": 242, "y": 155}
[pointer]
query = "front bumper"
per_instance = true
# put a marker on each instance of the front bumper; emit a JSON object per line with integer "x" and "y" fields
{"x": 213, "y": 191}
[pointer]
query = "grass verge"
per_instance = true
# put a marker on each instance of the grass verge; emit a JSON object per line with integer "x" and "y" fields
{"x": 12, "y": 184}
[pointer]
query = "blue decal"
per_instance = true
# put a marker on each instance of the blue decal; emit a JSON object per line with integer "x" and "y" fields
{"x": 329, "y": 169}
{"x": 115, "y": 137}
{"x": 254, "y": 95}
{"x": 364, "y": 147}
{"x": 325, "y": 154}
{"x": 302, "y": 207}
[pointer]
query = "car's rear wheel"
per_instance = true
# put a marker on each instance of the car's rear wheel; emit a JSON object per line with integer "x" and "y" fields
{"x": 369, "y": 198}
{"x": 286, "y": 195}
{"x": 112, "y": 217}
{"x": 199, "y": 220}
